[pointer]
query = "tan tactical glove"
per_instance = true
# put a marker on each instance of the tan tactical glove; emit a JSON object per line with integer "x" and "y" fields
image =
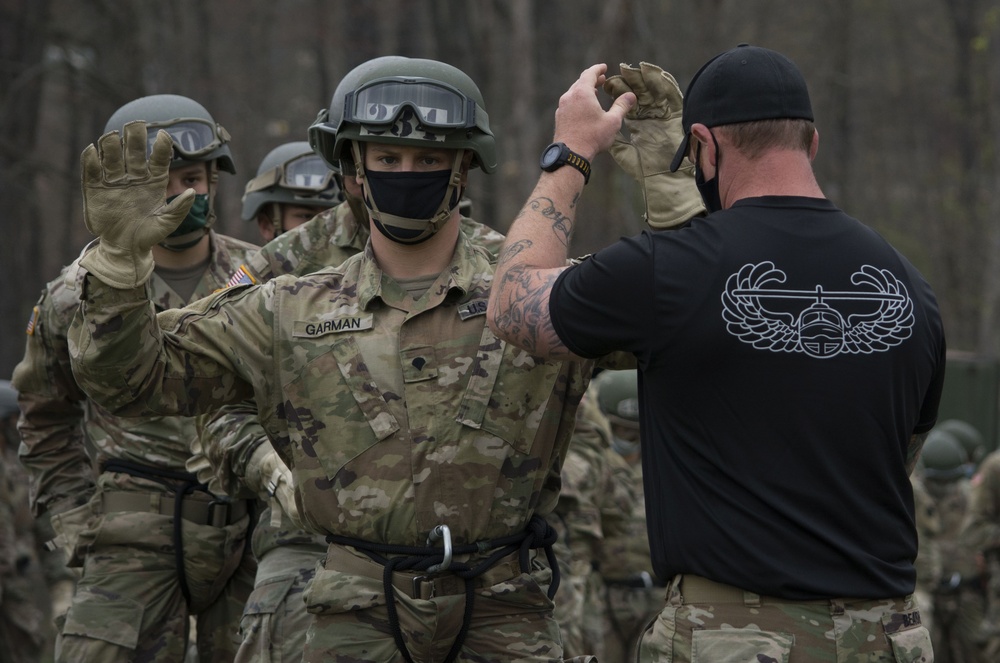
{"x": 654, "y": 127}
{"x": 124, "y": 203}
{"x": 270, "y": 478}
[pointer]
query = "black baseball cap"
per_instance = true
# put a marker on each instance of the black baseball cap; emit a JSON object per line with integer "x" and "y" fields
{"x": 743, "y": 84}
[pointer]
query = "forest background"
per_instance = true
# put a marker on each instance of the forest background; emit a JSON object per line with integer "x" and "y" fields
{"x": 906, "y": 95}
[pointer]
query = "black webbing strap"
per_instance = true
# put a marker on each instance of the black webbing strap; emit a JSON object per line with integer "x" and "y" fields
{"x": 181, "y": 484}
{"x": 537, "y": 534}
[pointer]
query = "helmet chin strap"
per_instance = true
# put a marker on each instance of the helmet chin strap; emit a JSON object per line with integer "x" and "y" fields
{"x": 428, "y": 227}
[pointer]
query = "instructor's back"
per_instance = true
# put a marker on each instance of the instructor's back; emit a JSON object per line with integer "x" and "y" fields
{"x": 790, "y": 364}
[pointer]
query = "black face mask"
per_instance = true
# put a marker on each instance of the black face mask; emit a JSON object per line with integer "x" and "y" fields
{"x": 410, "y": 195}
{"x": 413, "y": 197}
{"x": 709, "y": 190}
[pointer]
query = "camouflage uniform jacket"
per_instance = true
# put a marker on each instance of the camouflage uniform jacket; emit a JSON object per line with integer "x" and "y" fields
{"x": 232, "y": 433}
{"x": 394, "y": 416}
{"x": 56, "y": 416}
{"x": 982, "y": 526}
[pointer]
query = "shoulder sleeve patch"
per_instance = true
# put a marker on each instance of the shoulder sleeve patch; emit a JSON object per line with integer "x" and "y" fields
{"x": 32, "y": 321}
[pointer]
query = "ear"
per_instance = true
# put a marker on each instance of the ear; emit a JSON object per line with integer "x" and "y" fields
{"x": 814, "y": 148}
{"x": 705, "y": 142}
{"x": 266, "y": 226}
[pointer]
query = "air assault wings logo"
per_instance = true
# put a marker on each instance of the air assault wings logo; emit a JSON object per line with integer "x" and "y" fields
{"x": 881, "y": 317}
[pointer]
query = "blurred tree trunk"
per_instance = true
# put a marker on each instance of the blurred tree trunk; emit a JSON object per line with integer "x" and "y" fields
{"x": 22, "y": 52}
{"x": 988, "y": 338}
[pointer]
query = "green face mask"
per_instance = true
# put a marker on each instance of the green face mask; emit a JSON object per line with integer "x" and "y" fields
{"x": 196, "y": 219}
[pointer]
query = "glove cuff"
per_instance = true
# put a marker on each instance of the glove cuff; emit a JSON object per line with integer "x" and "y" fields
{"x": 119, "y": 269}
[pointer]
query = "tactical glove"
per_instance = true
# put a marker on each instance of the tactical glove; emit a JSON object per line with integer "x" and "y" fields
{"x": 124, "y": 203}
{"x": 655, "y": 133}
{"x": 271, "y": 479}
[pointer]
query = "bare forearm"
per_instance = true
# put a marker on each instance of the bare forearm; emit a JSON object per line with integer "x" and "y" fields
{"x": 532, "y": 258}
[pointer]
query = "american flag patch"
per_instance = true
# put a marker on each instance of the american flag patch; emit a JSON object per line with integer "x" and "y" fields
{"x": 31, "y": 321}
{"x": 241, "y": 277}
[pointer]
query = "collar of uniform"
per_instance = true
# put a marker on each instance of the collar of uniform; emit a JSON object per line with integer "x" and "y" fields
{"x": 465, "y": 274}
{"x": 349, "y": 232}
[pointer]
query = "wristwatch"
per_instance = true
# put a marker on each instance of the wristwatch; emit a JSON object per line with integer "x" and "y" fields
{"x": 558, "y": 155}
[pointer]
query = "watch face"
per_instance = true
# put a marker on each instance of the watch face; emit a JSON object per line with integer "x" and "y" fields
{"x": 551, "y": 155}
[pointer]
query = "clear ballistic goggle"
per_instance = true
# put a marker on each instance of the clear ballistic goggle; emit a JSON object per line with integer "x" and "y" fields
{"x": 307, "y": 173}
{"x": 192, "y": 137}
{"x": 436, "y": 104}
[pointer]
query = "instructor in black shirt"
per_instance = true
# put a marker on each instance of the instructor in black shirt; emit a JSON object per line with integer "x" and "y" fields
{"x": 790, "y": 363}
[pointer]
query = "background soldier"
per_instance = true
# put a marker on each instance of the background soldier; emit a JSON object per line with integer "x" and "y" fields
{"x": 156, "y": 543}
{"x": 634, "y": 594}
{"x": 27, "y": 633}
{"x": 292, "y": 185}
{"x": 982, "y": 536}
{"x": 958, "y": 599}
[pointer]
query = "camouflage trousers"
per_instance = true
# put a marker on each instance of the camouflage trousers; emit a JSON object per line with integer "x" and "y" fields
{"x": 628, "y": 610}
{"x": 275, "y": 619}
{"x": 958, "y": 634}
{"x": 707, "y": 622}
{"x": 129, "y": 605}
{"x": 511, "y": 619}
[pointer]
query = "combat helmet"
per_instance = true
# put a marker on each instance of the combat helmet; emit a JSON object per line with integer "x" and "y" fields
{"x": 968, "y": 436}
{"x": 197, "y": 138}
{"x": 618, "y": 399}
{"x": 618, "y": 395}
{"x": 195, "y": 133}
{"x": 944, "y": 458}
{"x": 440, "y": 98}
{"x": 291, "y": 174}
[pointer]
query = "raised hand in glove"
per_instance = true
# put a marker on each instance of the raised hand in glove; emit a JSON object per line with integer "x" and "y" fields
{"x": 269, "y": 477}
{"x": 124, "y": 203}
{"x": 655, "y": 133}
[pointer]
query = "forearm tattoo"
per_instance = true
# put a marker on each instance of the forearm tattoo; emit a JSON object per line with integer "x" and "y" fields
{"x": 524, "y": 295}
{"x": 562, "y": 224}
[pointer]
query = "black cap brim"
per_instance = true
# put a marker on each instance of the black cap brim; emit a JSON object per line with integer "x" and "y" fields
{"x": 681, "y": 153}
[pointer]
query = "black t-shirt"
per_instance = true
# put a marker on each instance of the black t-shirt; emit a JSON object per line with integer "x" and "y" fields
{"x": 786, "y": 354}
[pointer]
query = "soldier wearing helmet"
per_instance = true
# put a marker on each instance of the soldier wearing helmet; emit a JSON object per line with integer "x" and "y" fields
{"x": 981, "y": 535}
{"x": 292, "y": 185}
{"x": 634, "y": 592}
{"x": 958, "y": 597}
{"x": 425, "y": 450}
{"x": 276, "y": 620}
{"x": 130, "y": 500}
{"x": 26, "y": 610}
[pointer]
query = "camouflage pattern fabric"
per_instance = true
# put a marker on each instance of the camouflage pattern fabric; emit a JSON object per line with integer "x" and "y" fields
{"x": 928, "y": 563}
{"x": 959, "y": 600}
{"x": 760, "y": 630}
{"x": 626, "y": 561}
{"x": 512, "y": 621}
{"x": 273, "y": 627}
{"x": 26, "y": 631}
{"x": 330, "y": 238}
{"x": 592, "y": 507}
{"x": 275, "y": 621}
{"x": 65, "y": 437}
{"x": 351, "y": 377}
{"x": 981, "y": 534}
